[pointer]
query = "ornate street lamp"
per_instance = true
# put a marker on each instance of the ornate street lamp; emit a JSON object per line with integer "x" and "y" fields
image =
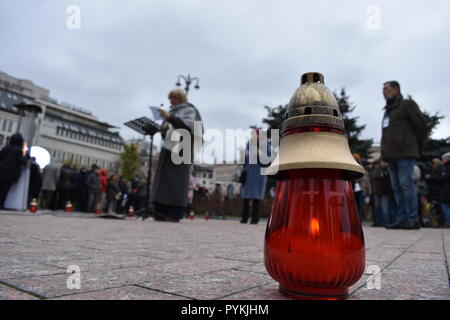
{"x": 188, "y": 81}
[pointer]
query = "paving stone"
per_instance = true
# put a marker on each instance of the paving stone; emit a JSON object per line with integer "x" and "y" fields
{"x": 212, "y": 285}
{"x": 266, "y": 292}
{"x": 193, "y": 259}
{"x": 56, "y": 285}
{"x": 7, "y": 293}
{"x": 383, "y": 254}
{"x": 122, "y": 293}
{"x": 257, "y": 267}
{"x": 26, "y": 270}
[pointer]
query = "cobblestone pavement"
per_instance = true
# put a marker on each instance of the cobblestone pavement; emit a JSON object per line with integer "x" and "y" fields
{"x": 215, "y": 259}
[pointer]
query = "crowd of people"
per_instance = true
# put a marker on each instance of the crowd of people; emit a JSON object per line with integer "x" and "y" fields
{"x": 374, "y": 193}
{"x": 403, "y": 195}
{"x": 87, "y": 190}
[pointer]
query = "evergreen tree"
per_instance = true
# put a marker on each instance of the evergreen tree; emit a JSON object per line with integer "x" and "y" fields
{"x": 130, "y": 161}
{"x": 433, "y": 148}
{"x": 275, "y": 117}
{"x": 352, "y": 129}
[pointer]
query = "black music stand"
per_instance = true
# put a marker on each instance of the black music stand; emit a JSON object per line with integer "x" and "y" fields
{"x": 146, "y": 127}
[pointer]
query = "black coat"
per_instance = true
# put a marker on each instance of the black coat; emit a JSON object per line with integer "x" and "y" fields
{"x": 35, "y": 180}
{"x": 112, "y": 190}
{"x": 445, "y": 178}
{"x": 404, "y": 130}
{"x": 12, "y": 159}
{"x": 66, "y": 178}
{"x": 435, "y": 183}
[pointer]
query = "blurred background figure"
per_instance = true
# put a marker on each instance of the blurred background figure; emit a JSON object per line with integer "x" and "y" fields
{"x": 217, "y": 198}
{"x": 445, "y": 192}
{"x": 362, "y": 189}
{"x": 50, "y": 178}
{"x": 94, "y": 186}
{"x": 104, "y": 183}
{"x": 80, "y": 196}
{"x": 12, "y": 159}
{"x": 65, "y": 186}
{"x": 141, "y": 192}
{"x": 382, "y": 194}
{"x": 434, "y": 180}
{"x": 35, "y": 181}
{"x": 192, "y": 183}
{"x": 112, "y": 193}
{"x": 253, "y": 182}
{"x": 124, "y": 192}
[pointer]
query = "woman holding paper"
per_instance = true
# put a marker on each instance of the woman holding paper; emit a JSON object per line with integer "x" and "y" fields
{"x": 170, "y": 188}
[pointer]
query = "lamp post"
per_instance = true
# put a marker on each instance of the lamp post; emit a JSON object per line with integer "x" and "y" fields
{"x": 188, "y": 81}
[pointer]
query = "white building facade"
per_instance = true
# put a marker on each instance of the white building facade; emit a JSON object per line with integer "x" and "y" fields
{"x": 69, "y": 133}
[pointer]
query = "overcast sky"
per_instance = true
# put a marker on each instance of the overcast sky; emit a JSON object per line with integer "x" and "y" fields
{"x": 247, "y": 54}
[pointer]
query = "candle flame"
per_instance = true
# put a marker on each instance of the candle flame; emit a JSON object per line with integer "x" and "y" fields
{"x": 314, "y": 227}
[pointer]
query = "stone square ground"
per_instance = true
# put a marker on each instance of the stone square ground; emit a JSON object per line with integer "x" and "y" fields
{"x": 215, "y": 259}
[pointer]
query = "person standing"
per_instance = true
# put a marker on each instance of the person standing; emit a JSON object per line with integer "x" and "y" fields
{"x": 445, "y": 191}
{"x": 112, "y": 191}
{"x": 141, "y": 193}
{"x": 50, "y": 178}
{"x": 94, "y": 187}
{"x": 35, "y": 180}
{"x": 253, "y": 182}
{"x": 81, "y": 191}
{"x": 104, "y": 182}
{"x": 65, "y": 185}
{"x": 171, "y": 185}
{"x": 382, "y": 193}
{"x": 12, "y": 159}
{"x": 404, "y": 131}
{"x": 122, "y": 202}
{"x": 362, "y": 189}
{"x": 192, "y": 183}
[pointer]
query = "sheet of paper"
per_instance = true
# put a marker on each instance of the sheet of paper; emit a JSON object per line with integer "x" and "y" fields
{"x": 156, "y": 114}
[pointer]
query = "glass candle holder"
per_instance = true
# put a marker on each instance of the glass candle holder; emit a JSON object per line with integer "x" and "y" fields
{"x": 314, "y": 243}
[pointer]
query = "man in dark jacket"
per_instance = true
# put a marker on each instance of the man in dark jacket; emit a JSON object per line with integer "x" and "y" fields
{"x": 404, "y": 131}
{"x": 11, "y": 161}
{"x": 94, "y": 187}
{"x": 65, "y": 186}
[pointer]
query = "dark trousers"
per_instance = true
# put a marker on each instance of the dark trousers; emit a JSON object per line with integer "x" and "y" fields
{"x": 246, "y": 210}
{"x": 46, "y": 200}
{"x": 359, "y": 197}
{"x": 64, "y": 196}
{"x": 4, "y": 190}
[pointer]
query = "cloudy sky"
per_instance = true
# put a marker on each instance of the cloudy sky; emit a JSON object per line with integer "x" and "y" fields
{"x": 247, "y": 54}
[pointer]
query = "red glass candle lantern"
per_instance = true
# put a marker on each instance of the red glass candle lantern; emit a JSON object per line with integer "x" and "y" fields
{"x": 33, "y": 206}
{"x": 314, "y": 243}
{"x": 69, "y": 206}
